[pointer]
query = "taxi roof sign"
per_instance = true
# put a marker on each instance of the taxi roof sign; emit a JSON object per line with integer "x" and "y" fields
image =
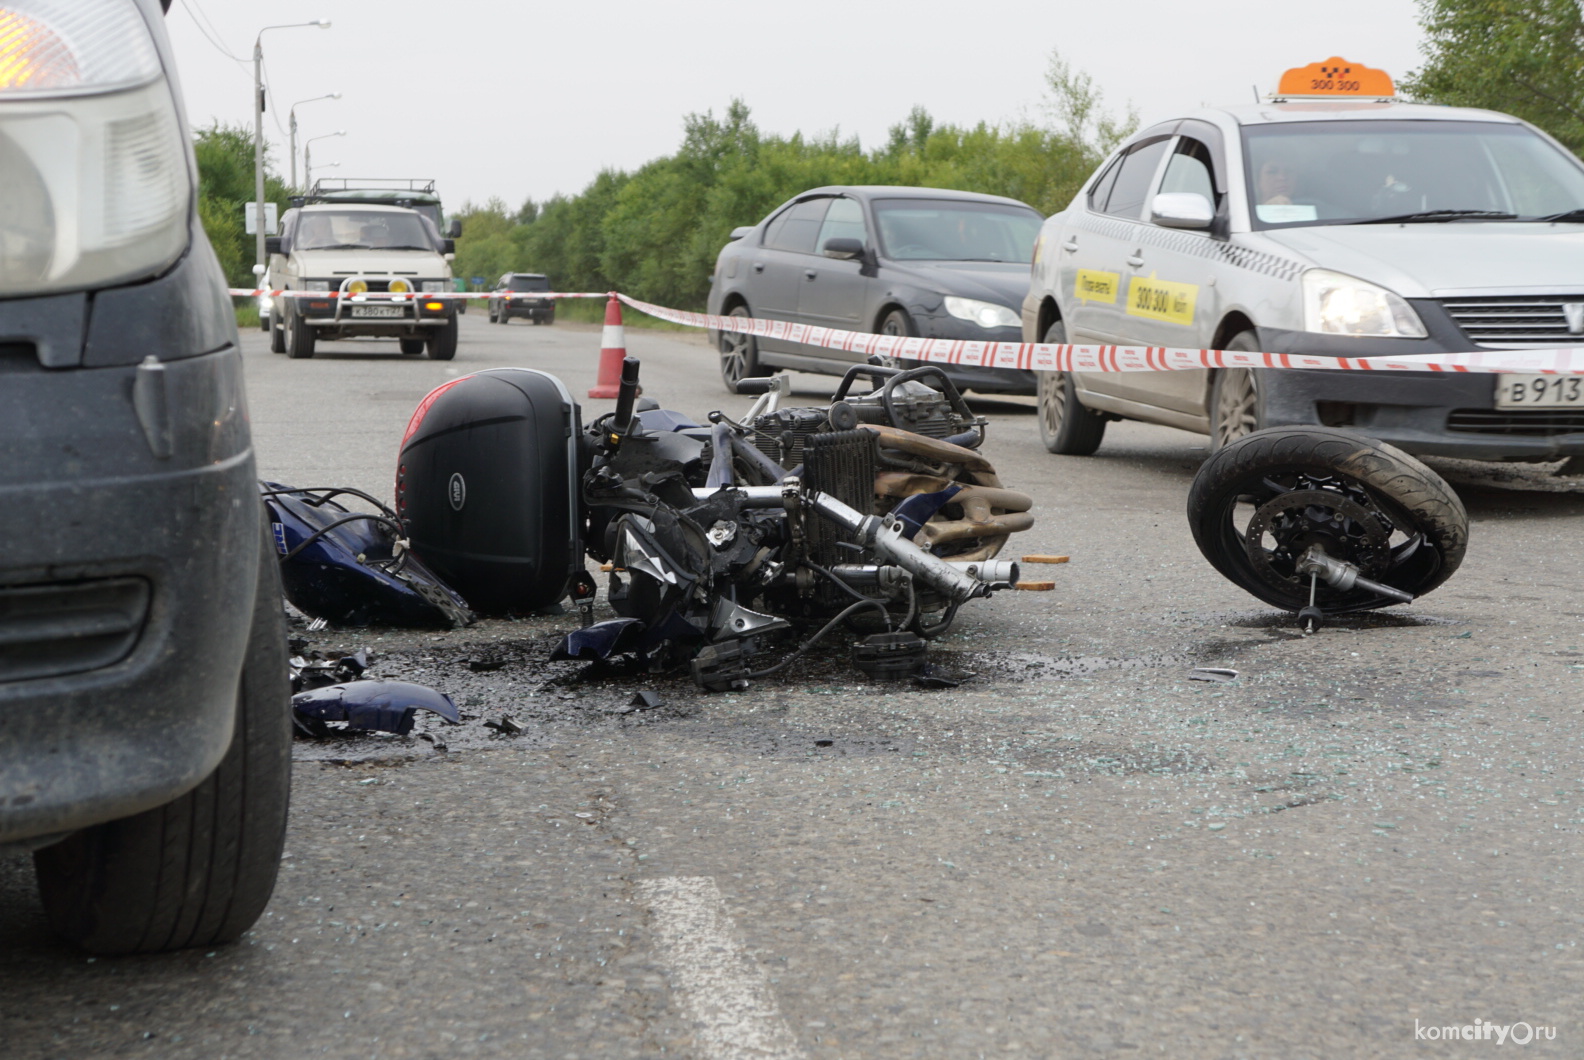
{"x": 1336, "y": 78}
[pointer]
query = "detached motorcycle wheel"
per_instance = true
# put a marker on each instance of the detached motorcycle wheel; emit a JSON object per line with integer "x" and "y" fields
{"x": 1260, "y": 502}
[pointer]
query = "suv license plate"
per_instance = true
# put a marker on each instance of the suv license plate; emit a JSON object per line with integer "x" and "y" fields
{"x": 378, "y": 311}
{"x": 1526, "y": 391}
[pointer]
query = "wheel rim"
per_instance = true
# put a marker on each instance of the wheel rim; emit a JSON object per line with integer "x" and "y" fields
{"x": 1052, "y": 401}
{"x": 734, "y": 353}
{"x": 1236, "y": 414}
{"x": 893, "y": 325}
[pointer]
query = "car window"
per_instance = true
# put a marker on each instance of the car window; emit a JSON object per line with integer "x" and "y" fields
{"x": 955, "y": 230}
{"x": 530, "y": 283}
{"x": 362, "y": 230}
{"x": 1340, "y": 172}
{"x": 844, "y": 220}
{"x": 1102, "y": 187}
{"x": 1133, "y": 179}
{"x": 796, "y": 227}
{"x": 1189, "y": 169}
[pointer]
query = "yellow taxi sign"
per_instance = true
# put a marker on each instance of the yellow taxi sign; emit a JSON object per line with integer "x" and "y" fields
{"x": 1336, "y": 77}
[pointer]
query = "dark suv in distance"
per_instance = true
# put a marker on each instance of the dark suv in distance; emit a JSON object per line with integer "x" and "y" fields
{"x": 884, "y": 260}
{"x": 145, "y": 714}
{"x": 513, "y": 296}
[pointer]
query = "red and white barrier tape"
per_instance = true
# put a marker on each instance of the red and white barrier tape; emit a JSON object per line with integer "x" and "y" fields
{"x": 1048, "y": 357}
{"x": 406, "y": 296}
{"x": 1034, "y": 356}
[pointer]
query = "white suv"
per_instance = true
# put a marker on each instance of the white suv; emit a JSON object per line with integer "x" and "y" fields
{"x": 1332, "y": 227}
{"x": 348, "y": 253}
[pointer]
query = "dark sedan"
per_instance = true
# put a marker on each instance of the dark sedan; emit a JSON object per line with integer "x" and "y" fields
{"x": 890, "y": 260}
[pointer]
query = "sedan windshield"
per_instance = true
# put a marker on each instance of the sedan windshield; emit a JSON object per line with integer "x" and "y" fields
{"x": 1360, "y": 172}
{"x": 947, "y": 230}
{"x": 362, "y": 229}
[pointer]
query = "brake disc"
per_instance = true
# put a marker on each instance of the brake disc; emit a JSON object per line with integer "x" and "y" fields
{"x": 1299, "y": 519}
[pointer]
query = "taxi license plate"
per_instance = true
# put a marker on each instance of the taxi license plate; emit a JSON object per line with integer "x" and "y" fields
{"x": 1526, "y": 391}
{"x": 377, "y": 311}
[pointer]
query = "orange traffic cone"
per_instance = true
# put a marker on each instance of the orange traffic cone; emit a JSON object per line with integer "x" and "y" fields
{"x": 613, "y": 349}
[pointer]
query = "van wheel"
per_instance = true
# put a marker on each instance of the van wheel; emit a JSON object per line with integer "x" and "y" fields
{"x": 1258, "y": 504}
{"x": 199, "y": 870}
{"x": 442, "y": 341}
{"x": 411, "y": 347}
{"x": 1065, "y": 425}
{"x": 299, "y": 337}
{"x": 277, "y": 335}
{"x": 739, "y": 354}
{"x": 1237, "y": 407}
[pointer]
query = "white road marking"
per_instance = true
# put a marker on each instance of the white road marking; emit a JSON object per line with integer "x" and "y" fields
{"x": 723, "y": 990}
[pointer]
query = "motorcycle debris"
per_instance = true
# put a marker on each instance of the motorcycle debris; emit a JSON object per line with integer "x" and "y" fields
{"x": 1217, "y": 674}
{"x": 384, "y": 706}
{"x": 506, "y": 725}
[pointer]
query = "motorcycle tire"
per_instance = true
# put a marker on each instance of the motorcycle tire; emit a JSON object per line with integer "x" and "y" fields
{"x": 1364, "y": 501}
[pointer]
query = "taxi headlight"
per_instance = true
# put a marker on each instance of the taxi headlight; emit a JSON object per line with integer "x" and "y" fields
{"x": 985, "y": 314}
{"x": 399, "y": 287}
{"x": 1337, "y": 304}
{"x": 94, "y": 187}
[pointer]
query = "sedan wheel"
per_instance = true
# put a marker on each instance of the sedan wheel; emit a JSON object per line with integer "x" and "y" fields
{"x": 739, "y": 354}
{"x": 1066, "y": 426}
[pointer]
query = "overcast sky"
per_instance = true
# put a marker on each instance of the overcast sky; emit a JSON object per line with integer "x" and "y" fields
{"x": 517, "y": 99}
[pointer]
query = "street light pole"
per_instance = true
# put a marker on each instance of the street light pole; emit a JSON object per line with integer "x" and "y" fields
{"x": 308, "y": 152}
{"x": 258, "y": 136}
{"x": 292, "y": 114}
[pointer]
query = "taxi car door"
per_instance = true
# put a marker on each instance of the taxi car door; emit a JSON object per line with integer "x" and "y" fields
{"x": 1172, "y": 294}
{"x": 1094, "y": 275}
{"x": 835, "y": 291}
{"x": 777, "y": 266}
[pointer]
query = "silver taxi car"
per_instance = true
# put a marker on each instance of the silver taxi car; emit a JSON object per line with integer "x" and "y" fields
{"x": 1346, "y": 224}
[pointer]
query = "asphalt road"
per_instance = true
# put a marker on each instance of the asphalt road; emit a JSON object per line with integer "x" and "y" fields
{"x": 1078, "y": 852}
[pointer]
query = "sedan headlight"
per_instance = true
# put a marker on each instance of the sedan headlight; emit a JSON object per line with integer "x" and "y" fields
{"x": 92, "y": 164}
{"x": 985, "y": 314}
{"x": 435, "y": 287}
{"x": 1337, "y": 304}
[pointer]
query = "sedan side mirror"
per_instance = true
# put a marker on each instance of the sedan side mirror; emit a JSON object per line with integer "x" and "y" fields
{"x": 844, "y": 248}
{"x": 273, "y": 245}
{"x": 738, "y": 233}
{"x": 1181, "y": 209}
{"x": 454, "y": 229}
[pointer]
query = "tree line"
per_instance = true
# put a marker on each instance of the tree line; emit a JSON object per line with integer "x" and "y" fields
{"x": 654, "y": 232}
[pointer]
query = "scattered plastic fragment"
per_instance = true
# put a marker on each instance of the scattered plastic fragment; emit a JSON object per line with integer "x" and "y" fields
{"x": 506, "y": 725}
{"x": 384, "y": 706}
{"x": 353, "y": 568}
{"x": 1219, "y": 674}
{"x": 646, "y": 701}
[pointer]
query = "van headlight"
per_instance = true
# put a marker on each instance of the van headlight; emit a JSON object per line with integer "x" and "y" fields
{"x": 94, "y": 187}
{"x": 435, "y": 286}
{"x": 985, "y": 314}
{"x": 1338, "y": 304}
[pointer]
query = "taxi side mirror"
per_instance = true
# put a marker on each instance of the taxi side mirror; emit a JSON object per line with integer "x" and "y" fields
{"x": 1181, "y": 209}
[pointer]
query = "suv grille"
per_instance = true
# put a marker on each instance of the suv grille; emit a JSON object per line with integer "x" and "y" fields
{"x": 1540, "y": 422}
{"x": 69, "y": 628}
{"x": 1509, "y": 322}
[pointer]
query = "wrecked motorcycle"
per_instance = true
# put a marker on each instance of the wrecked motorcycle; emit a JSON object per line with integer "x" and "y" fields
{"x": 725, "y": 540}
{"x": 1322, "y": 521}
